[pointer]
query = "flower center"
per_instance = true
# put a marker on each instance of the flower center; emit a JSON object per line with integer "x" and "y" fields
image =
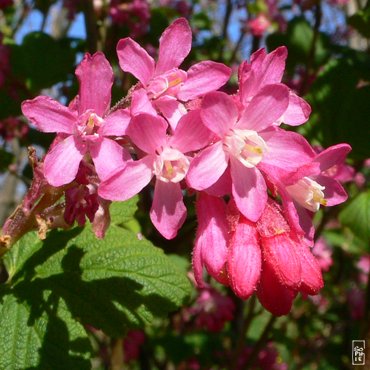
{"x": 171, "y": 165}
{"x": 168, "y": 83}
{"x": 246, "y": 146}
{"x": 89, "y": 125}
{"x": 308, "y": 193}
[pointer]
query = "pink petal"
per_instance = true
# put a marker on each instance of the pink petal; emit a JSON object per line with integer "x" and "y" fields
{"x": 207, "y": 167}
{"x": 334, "y": 192}
{"x": 249, "y": 190}
{"x": 148, "y": 132}
{"x": 298, "y": 111}
{"x": 265, "y": 69}
{"x": 281, "y": 253}
{"x": 244, "y": 260}
{"x": 274, "y": 296}
{"x": 96, "y": 79}
{"x": 211, "y": 238}
{"x": 265, "y": 108}
{"x": 168, "y": 211}
{"x": 222, "y": 186}
{"x": 135, "y": 60}
{"x": 203, "y": 78}
{"x": 140, "y": 103}
{"x": 219, "y": 112}
{"x": 332, "y": 156}
{"x": 129, "y": 180}
{"x": 171, "y": 108}
{"x": 61, "y": 163}
{"x": 190, "y": 133}
{"x": 48, "y": 115}
{"x": 108, "y": 156}
{"x": 312, "y": 281}
{"x": 197, "y": 262}
{"x": 285, "y": 145}
{"x": 174, "y": 45}
{"x": 116, "y": 123}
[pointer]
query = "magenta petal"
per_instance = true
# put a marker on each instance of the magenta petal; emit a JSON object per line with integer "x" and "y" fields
{"x": 265, "y": 69}
{"x": 96, "y": 79}
{"x": 128, "y": 181}
{"x": 274, "y": 296}
{"x": 312, "y": 281}
{"x": 148, "y": 132}
{"x": 244, "y": 261}
{"x": 207, "y": 167}
{"x": 249, "y": 190}
{"x": 116, "y": 123}
{"x": 265, "y": 108}
{"x": 190, "y": 133}
{"x": 203, "y": 78}
{"x": 285, "y": 145}
{"x": 171, "y": 108}
{"x": 168, "y": 211}
{"x": 333, "y": 155}
{"x": 48, "y": 115}
{"x": 135, "y": 60}
{"x": 211, "y": 238}
{"x": 61, "y": 163}
{"x": 140, "y": 103}
{"x": 174, "y": 45}
{"x": 222, "y": 186}
{"x": 298, "y": 111}
{"x": 219, "y": 112}
{"x": 281, "y": 253}
{"x": 108, "y": 156}
{"x": 334, "y": 192}
{"x": 197, "y": 263}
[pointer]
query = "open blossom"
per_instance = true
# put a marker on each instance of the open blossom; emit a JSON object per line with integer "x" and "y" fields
{"x": 167, "y": 85}
{"x": 267, "y": 258}
{"x": 165, "y": 159}
{"x": 85, "y": 126}
{"x": 310, "y": 186}
{"x": 266, "y": 69}
{"x": 243, "y": 143}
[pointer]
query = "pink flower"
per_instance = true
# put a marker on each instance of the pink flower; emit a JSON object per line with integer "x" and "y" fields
{"x": 166, "y": 84}
{"x": 323, "y": 254}
{"x": 267, "y": 258}
{"x": 259, "y": 25}
{"x": 211, "y": 310}
{"x": 166, "y": 160}
{"x": 85, "y": 126}
{"x": 364, "y": 266}
{"x": 242, "y": 143}
{"x": 265, "y": 69}
{"x": 308, "y": 187}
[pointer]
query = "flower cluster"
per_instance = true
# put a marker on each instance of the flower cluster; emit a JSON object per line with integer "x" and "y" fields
{"x": 176, "y": 130}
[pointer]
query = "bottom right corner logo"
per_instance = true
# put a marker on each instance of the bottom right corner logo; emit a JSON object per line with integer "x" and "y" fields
{"x": 358, "y": 352}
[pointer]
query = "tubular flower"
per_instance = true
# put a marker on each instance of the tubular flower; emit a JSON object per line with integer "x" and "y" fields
{"x": 267, "y": 258}
{"x": 85, "y": 126}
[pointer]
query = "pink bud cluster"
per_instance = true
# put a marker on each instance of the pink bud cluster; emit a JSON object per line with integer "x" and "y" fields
{"x": 175, "y": 130}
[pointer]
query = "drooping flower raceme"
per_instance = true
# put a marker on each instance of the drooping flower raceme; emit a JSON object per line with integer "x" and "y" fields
{"x": 84, "y": 127}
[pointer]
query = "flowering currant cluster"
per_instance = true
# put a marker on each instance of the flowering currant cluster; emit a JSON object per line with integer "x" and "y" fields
{"x": 257, "y": 185}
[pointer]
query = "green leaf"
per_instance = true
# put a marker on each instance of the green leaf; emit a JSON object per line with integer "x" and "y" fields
{"x": 30, "y": 340}
{"x": 356, "y": 216}
{"x": 340, "y": 106}
{"x": 39, "y": 69}
{"x": 361, "y": 22}
{"x": 123, "y": 212}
